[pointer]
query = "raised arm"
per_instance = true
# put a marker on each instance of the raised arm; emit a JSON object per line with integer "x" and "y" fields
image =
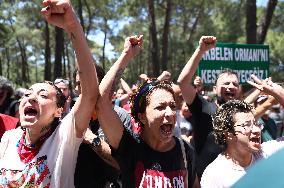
{"x": 165, "y": 76}
{"x": 269, "y": 87}
{"x": 61, "y": 14}
{"x": 127, "y": 89}
{"x": 103, "y": 150}
{"x": 185, "y": 77}
{"x": 252, "y": 96}
{"x": 108, "y": 118}
{"x": 261, "y": 109}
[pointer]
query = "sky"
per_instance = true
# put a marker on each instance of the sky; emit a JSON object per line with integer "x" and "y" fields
{"x": 109, "y": 48}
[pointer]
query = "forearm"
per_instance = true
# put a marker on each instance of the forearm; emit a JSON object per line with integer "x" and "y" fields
{"x": 106, "y": 114}
{"x": 85, "y": 62}
{"x": 104, "y": 152}
{"x": 84, "y": 106}
{"x": 185, "y": 77}
{"x": 252, "y": 97}
{"x": 190, "y": 68}
{"x": 280, "y": 97}
{"x": 125, "y": 86}
{"x": 110, "y": 80}
{"x": 261, "y": 109}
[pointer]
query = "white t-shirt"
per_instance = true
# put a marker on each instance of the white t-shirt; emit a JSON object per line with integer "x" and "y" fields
{"x": 53, "y": 166}
{"x": 224, "y": 173}
{"x": 181, "y": 123}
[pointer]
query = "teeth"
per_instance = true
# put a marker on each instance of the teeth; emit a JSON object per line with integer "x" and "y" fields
{"x": 166, "y": 130}
{"x": 30, "y": 111}
{"x": 255, "y": 140}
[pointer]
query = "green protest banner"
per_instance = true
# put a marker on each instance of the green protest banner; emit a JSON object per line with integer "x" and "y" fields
{"x": 244, "y": 59}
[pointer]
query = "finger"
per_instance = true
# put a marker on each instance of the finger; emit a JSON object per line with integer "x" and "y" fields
{"x": 55, "y": 19}
{"x": 133, "y": 40}
{"x": 46, "y": 3}
{"x": 256, "y": 79}
{"x": 255, "y": 85}
{"x": 46, "y": 12}
{"x": 59, "y": 7}
{"x": 269, "y": 82}
{"x": 140, "y": 37}
{"x": 209, "y": 40}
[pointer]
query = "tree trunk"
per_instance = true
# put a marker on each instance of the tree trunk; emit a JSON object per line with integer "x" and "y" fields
{"x": 64, "y": 62}
{"x": 195, "y": 23}
{"x": 105, "y": 38}
{"x": 58, "y": 52}
{"x": 69, "y": 73}
{"x": 265, "y": 22}
{"x": 90, "y": 17}
{"x": 251, "y": 21}
{"x": 36, "y": 70}
{"x": 80, "y": 14}
{"x": 1, "y": 66}
{"x": 8, "y": 62}
{"x": 47, "y": 54}
{"x": 24, "y": 63}
{"x": 154, "y": 48}
{"x": 165, "y": 38}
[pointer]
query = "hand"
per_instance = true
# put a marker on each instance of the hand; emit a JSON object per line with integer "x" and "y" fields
{"x": 267, "y": 86}
{"x": 89, "y": 136}
{"x": 133, "y": 45}
{"x": 144, "y": 77}
{"x": 60, "y": 13}
{"x": 165, "y": 76}
{"x": 207, "y": 42}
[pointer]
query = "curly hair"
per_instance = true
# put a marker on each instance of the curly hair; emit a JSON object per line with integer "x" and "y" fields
{"x": 141, "y": 99}
{"x": 223, "y": 120}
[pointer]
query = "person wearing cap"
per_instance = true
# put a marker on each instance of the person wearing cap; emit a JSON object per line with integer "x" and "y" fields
{"x": 238, "y": 132}
{"x": 157, "y": 158}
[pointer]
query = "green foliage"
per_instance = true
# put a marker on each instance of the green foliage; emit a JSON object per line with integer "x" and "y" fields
{"x": 21, "y": 23}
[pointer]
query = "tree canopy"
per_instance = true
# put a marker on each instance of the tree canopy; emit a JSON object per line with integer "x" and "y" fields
{"x": 31, "y": 50}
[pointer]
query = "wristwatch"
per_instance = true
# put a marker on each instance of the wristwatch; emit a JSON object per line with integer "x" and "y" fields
{"x": 96, "y": 142}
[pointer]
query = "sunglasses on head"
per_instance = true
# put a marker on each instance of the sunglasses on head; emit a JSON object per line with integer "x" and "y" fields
{"x": 58, "y": 80}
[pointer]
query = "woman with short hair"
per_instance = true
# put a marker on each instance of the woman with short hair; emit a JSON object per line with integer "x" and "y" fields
{"x": 156, "y": 158}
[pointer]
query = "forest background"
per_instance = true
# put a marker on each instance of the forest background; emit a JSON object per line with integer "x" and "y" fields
{"x": 32, "y": 51}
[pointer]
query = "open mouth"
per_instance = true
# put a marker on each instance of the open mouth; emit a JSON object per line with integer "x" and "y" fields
{"x": 230, "y": 95}
{"x": 30, "y": 111}
{"x": 255, "y": 140}
{"x": 167, "y": 129}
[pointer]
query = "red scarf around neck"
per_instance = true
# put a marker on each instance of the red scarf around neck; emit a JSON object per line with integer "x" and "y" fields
{"x": 27, "y": 153}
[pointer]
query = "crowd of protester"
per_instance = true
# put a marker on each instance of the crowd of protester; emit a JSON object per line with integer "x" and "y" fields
{"x": 159, "y": 133}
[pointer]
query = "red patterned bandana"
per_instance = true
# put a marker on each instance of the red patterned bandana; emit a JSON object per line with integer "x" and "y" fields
{"x": 27, "y": 153}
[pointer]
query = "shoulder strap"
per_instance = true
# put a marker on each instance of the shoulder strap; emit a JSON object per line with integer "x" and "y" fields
{"x": 184, "y": 159}
{"x": 183, "y": 152}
